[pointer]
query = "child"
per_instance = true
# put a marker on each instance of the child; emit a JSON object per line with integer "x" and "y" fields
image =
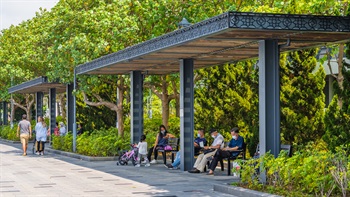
{"x": 142, "y": 146}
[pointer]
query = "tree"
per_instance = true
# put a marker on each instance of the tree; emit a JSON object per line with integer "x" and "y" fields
{"x": 302, "y": 97}
{"x": 227, "y": 96}
{"x": 337, "y": 117}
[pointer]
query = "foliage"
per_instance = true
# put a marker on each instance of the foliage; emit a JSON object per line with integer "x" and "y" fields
{"x": 151, "y": 128}
{"x": 227, "y": 96}
{"x": 310, "y": 172}
{"x": 100, "y": 143}
{"x": 337, "y": 120}
{"x": 302, "y": 97}
{"x": 7, "y": 133}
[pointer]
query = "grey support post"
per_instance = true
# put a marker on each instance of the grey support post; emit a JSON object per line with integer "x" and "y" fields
{"x": 186, "y": 114}
{"x": 39, "y": 105}
{"x": 52, "y": 106}
{"x": 70, "y": 108}
{"x": 74, "y": 115}
{"x": 4, "y": 111}
{"x": 136, "y": 92}
{"x": 269, "y": 99}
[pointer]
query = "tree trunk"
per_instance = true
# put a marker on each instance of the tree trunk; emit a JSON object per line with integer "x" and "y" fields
{"x": 62, "y": 104}
{"x": 120, "y": 113}
{"x": 28, "y": 105}
{"x": 118, "y": 108}
{"x": 165, "y": 111}
{"x": 340, "y": 78}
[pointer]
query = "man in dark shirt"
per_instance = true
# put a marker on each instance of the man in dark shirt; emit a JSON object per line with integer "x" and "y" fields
{"x": 199, "y": 143}
{"x": 236, "y": 143}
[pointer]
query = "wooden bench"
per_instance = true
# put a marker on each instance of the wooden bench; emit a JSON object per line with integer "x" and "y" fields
{"x": 174, "y": 143}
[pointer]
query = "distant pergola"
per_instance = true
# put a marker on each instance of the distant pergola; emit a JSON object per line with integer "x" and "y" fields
{"x": 226, "y": 38}
{"x": 39, "y": 87}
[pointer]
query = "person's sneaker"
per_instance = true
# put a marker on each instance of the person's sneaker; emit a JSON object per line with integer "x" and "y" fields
{"x": 24, "y": 154}
{"x": 137, "y": 165}
{"x": 153, "y": 161}
{"x": 147, "y": 165}
{"x": 41, "y": 153}
{"x": 37, "y": 153}
{"x": 169, "y": 166}
{"x": 144, "y": 162}
{"x": 175, "y": 168}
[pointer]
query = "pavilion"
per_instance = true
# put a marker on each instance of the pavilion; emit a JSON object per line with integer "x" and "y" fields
{"x": 226, "y": 38}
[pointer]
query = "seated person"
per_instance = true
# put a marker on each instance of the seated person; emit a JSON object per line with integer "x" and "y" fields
{"x": 161, "y": 141}
{"x": 197, "y": 142}
{"x": 236, "y": 143}
{"x": 209, "y": 151}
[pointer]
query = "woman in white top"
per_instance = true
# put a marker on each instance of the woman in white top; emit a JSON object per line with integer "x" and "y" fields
{"x": 41, "y": 133}
{"x": 142, "y": 153}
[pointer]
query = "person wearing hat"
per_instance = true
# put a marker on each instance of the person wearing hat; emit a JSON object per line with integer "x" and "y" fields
{"x": 24, "y": 131}
{"x": 209, "y": 151}
{"x": 236, "y": 143}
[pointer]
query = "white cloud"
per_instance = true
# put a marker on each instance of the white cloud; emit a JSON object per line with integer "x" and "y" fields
{"x": 13, "y": 12}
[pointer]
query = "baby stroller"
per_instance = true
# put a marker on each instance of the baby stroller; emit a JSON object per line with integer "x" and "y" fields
{"x": 129, "y": 155}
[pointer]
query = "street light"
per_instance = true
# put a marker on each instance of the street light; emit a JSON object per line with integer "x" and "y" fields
{"x": 183, "y": 23}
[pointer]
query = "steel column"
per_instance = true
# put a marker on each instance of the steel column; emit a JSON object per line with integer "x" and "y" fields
{"x": 269, "y": 99}
{"x": 136, "y": 92}
{"x": 52, "y": 106}
{"x": 74, "y": 113}
{"x": 4, "y": 111}
{"x": 70, "y": 108}
{"x": 186, "y": 114}
{"x": 39, "y": 105}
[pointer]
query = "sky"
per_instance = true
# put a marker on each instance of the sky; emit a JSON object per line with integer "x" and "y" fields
{"x": 13, "y": 12}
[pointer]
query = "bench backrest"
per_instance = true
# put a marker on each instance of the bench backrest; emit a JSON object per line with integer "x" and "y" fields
{"x": 174, "y": 143}
{"x": 285, "y": 147}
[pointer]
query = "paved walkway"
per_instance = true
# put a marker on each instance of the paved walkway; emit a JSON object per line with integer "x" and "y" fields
{"x": 56, "y": 175}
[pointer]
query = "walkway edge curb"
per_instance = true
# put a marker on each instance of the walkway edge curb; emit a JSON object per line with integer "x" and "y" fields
{"x": 10, "y": 141}
{"x": 78, "y": 156}
{"x": 241, "y": 192}
{"x": 68, "y": 154}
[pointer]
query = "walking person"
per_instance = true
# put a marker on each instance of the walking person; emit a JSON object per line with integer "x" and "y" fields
{"x": 24, "y": 132}
{"x": 41, "y": 130}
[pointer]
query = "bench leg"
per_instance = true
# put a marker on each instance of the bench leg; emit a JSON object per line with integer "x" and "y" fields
{"x": 164, "y": 157}
{"x": 172, "y": 157}
{"x": 228, "y": 167}
{"x": 222, "y": 164}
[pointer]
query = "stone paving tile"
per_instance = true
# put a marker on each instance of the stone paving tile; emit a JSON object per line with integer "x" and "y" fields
{"x": 56, "y": 175}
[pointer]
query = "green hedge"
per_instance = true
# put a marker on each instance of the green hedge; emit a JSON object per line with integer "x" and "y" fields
{"x": 102, "y": 143}
{"x": 311, "y": 172}
{"x": 7, "y": 133}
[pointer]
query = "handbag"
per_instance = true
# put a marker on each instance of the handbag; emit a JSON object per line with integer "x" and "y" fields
{"x": 168, "y": 147}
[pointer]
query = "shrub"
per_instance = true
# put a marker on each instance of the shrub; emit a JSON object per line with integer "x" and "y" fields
{"x": 311, "y": 172}
{"x": 7, "y": 133}
{"x": 104, "y": 142}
